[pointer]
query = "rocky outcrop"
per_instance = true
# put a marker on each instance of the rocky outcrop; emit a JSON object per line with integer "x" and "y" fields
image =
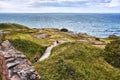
{"x": 18, "y": 67}
{"x": 114, "y": 36}
{"x": 42, "y": 36}
{"x": 75, "y": 34}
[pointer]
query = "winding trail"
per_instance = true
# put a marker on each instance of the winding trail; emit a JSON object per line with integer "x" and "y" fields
{"x": 57, "y": 42}
{"x": 49, "y": 49}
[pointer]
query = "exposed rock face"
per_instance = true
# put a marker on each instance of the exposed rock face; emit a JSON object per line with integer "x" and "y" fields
{"x": 18, "y": 67}
{"x": 74, "y": 34}
{"x": 42, "y": 36}
{"x": 113, "y": 36}
{"x": 71, "y": 33}
{"x": 1, "y": 32}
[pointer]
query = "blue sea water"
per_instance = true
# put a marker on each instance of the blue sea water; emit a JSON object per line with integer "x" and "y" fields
{"x": 95, "y": 24}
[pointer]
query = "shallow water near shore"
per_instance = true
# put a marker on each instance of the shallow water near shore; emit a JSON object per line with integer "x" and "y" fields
{"x": 99, "y": 25}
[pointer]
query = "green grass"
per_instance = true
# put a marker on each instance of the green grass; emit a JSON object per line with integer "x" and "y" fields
{"x": 112, "y": 53}
{"x": 12, "y": 26}
{"x": 29, "y": 48}
{"x": 26, "y": 42}
{"x": 69, "y": 61}
{"x": 76, "y": 61}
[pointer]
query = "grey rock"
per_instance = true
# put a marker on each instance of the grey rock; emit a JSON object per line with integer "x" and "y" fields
{"x": 85, "y": 41}
{"x": 7, "y": 56}
{"x": 71, "y": 33}
{"x": 11, "y": 65}
{"x": 99, "y": 43}
{"x": 15, "y": 77}
{"x": 10, "y": 60}
{"x": 42, "y": 36}
{"x": 20, "y": 56}
{"x": 1, "y": 32}
{"x": 6, "y": 45}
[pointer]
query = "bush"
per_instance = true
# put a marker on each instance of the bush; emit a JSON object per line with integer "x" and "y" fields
{"x": 98, "y": 39}
{"x": 112, "y": 53}
{"x": 64, "y": 30}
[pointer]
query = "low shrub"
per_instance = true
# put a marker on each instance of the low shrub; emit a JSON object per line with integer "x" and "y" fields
{"x": 112, "y": 53}
{"x": 64, "y": 30}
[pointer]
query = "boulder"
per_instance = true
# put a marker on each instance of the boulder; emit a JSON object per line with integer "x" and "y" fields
{"x": 6, "y": 45}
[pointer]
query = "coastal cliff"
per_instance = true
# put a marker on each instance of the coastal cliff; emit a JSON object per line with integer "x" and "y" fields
{"x": 56, "y": 54}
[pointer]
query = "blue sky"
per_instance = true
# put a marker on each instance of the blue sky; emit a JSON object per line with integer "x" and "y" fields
{"x": 63, "y": 6}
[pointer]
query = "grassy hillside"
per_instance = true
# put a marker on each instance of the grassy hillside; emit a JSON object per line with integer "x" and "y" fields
{"x": 29, "y": 48}
{"x": 112, "y": 53}
{"x": 25, "y": 40}
{"x": 76, "y": 61}
{"x": 12, "y": 26}
{"x": 69, "y": 61}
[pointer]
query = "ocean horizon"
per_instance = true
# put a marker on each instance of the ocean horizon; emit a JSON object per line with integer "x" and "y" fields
{"x": 94, "y": 24}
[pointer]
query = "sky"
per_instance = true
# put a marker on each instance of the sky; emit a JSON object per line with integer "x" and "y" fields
{"x": 59, "y": 6}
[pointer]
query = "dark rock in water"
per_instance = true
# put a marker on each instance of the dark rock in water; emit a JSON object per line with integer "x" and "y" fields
{"x": 42, "y": 36}
{"x": 64, "y": 30}
{"x": 113, "y": 36}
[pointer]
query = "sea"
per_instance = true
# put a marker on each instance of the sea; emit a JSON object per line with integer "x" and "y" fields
{"x": 95, "y": 24}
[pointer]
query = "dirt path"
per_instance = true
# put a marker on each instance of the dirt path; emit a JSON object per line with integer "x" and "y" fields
{"x": 49, "y": 49}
